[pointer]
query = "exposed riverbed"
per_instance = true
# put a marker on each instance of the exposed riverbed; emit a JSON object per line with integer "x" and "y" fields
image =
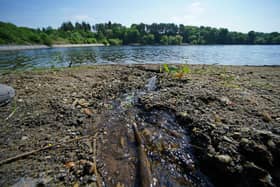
{"x": 217, "y": 126}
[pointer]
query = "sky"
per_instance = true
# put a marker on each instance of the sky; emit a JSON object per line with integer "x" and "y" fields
{"x": 236, "y": 15}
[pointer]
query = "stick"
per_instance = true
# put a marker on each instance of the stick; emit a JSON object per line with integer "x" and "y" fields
{"x": 144, "y": 164}
{"x": 11, "y": 159}
{"x": 11, "y": 114}
{"x": 93, "y": 167}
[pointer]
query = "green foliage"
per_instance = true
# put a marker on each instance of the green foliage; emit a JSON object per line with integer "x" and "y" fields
{"x": 171, "y": 34}
{"x": 103, "y": 41}
{"x": 166, "y": 68}
{"x": 164, "y": 40}
{"x": 46, "y": 39}
{"x": 131, "y": 36}
{"x": 186, "y": 69}
{"x": 76, "y": 38}
{"x": 173, "y": 69}
{"x": 148, "y": 39}
{"x": 175, "y": 40}
{"x": 115, "y": 41}
{"x": 117, "y": 34}
{"x": 90, "y": 40}
{"x": 176, "y": 71}
{"x": 2, "y": 41}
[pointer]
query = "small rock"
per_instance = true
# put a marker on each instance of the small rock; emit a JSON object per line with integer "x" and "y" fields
{"x": 227, "y": 139}
{"x": 75, "y": 103}
{"x": 236, "y": 135}
{"x": 183, "y": 114}
{"x": 217, "y": 118}
{"x": 267, "y": 180}
{"x": 24, "y": 137}
{"x": 20, "y": 100}
{"x": 212, "y": 125}
{"x": 211, "y": 149}
{"x": 244, "y": 129}
{"x": 83, "y": 103}
{"x": 69, "y": 165}
{"x": 244, "y": 140}
{"x": 271, "y": 144}
{"x": 90, "y": 179}
{"x": 48, "y": 157}
{"x": 265, "y": 133}
{"x": 266, "y": 117}
{"x": 224, "y": 158}
{"x": 225, "y": 100}
{"x": 155, "y": 181}
{"x": 184, "y": 118}
{"x": 88, "y": 112}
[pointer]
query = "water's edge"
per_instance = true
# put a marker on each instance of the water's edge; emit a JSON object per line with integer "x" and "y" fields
{"x": 25, "y": 47}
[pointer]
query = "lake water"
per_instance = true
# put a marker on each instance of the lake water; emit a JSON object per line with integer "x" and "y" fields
{"x": 207, "y": 54}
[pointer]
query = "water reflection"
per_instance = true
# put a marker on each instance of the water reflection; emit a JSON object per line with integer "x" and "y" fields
{"x": 64, "y": 57}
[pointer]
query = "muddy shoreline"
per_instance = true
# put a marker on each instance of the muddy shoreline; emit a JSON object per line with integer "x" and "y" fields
{"x": 26, "y": 47}
{"x": 216, "y": 126}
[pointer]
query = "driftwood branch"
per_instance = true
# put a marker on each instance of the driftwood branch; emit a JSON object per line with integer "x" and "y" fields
{"x": 144, "y": 164}
{"x": 94, "y": 168}
{"x": 23, "y": 155}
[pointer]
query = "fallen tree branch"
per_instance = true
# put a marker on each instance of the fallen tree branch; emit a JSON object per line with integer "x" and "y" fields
{"x": 11, "y": 159}
{"x": 94, "y": 168}
{"x": 144, "y": 164}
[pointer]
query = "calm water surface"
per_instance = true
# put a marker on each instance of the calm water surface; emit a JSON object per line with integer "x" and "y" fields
{"x": 211, "y": 54}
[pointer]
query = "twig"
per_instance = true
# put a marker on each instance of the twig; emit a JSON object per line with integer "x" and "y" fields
{"x": 11, "y": 159}
{"x": 11, "y": 114}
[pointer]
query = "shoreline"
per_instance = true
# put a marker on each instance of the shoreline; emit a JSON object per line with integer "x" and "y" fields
{"x": 25, "y": 47}
{"x": 35, "y": 46}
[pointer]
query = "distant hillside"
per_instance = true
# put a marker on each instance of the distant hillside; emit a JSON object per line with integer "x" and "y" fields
{"x": 11, "y": 34}
{"x": 117, "y": 34}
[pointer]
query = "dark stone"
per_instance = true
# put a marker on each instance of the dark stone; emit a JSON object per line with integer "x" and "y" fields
{"x": 257, "y": 153}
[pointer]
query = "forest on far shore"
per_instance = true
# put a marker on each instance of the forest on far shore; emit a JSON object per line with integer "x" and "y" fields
{"x": 141, "y": 34}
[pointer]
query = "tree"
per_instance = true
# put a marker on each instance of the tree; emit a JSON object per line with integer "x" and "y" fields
{"x": 164, "y": 40}
{"x": 251, "y": 37}
{"x": 115, "y": 41}
{"x": 67, "y": 26}
{"x": 223, "y": 36}
{"x": 175, "y": 40}
{"x": 115, "y": 34}
{"x": 131, "y": 36}
{"x": 148, "y": 39}
{"x": 45, "y": 39}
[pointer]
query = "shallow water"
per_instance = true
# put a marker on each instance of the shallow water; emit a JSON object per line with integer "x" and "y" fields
{"x": 207, "y": 54}
{"x": 167, "y": 143}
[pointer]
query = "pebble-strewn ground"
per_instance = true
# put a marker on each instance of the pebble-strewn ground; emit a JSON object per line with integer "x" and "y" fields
{"x": 216, "y": 126}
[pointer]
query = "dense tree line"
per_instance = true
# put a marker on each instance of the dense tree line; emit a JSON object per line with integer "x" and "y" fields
{"x": 117, "y": 34}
